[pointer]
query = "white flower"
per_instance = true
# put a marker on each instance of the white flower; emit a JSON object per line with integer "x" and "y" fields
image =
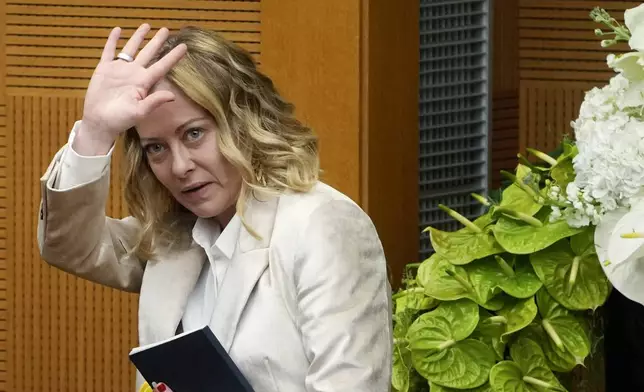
{"x": 634, "y": 21}
{"x": 630, "y": 65}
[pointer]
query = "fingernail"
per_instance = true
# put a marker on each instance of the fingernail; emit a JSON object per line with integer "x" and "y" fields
{"x": 161, "y": 387}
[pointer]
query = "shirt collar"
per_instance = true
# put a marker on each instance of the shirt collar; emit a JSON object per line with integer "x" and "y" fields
{"x": 207, "y": 233}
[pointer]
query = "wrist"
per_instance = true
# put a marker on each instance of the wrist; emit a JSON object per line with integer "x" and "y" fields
{"x": 90, "y": 141}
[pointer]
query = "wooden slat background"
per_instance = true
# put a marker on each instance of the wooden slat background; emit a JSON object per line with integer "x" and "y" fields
{"x": 505, "y": 89}
{"x": 67, "y": 334}
{"x": 53, "y": 45}
{"x": 5, "y": 198}
{"x": 559, "y": 59}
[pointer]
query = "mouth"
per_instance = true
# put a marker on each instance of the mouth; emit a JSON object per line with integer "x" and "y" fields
{"x": 194, "y": 187}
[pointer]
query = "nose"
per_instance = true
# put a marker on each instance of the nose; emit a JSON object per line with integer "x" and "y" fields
{"x": 182, "y": 163}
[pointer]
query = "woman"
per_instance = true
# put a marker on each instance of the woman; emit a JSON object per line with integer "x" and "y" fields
{"x": 230, "y": 226}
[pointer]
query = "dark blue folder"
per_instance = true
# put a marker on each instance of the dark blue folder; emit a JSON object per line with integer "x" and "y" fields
{"x": 192, "y": 361}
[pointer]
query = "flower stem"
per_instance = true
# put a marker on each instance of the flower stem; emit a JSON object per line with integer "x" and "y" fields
{"x": 466, "y": 222}
{"x": 552, "y": 333}
{"x": 466, "y": 285}
{"x": 544, "y": 157}
{"x": 504, "y": 266}
{"x": 573, "y": 274}
{"x": 532, "y": 221}
{"x": 412, "y": 265}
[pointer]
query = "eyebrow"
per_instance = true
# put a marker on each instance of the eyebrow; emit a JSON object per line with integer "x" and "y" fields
{"x": 179, "y": 128}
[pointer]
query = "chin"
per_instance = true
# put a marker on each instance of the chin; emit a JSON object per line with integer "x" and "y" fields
{"x": 204, "y": 211}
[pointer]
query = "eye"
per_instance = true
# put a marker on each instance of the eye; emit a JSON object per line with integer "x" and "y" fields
{"x": 194, "y": 134}
{"x": 154, "y": 148}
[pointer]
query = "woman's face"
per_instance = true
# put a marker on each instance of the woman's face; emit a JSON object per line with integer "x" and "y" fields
{"x": 178, "y": 139}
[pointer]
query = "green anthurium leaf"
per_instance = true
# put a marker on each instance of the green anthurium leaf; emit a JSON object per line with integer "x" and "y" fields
{"x": 569, "y": 151}
{"x": 467, "y": 365}
{"x": 563, "y": 173}
{"x": 516, "y": 278}
{"x": 489, "y": 331}
{"x": 506, "y": 376}
{"x": 519, "y": 237}
{"x": 583, "y": 244}
{"x": 414, "y": 299}
{"x": 575, "y": 281}
{"x": 463, "y": 246}
{"x": 516, "y": 199}
{"x": 527, "y": 372}
{"x": 558, "y": 361}
{"x": 402, "y": 368}
{"x": 447, "y": 282}
{"x": 568, "y": 333}
{"x": 450, "y": 322}
{"x": 402, "y": 322}
{"x": 441, "y": 351}
{"x": 438, "y": 388}
{"x": 495, "y": 303}
{"x": 518, "y": 314}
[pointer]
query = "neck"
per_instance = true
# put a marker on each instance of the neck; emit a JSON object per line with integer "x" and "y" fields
{"x": 225, "y": 217}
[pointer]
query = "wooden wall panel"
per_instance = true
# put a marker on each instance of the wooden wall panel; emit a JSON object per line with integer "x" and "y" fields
{"x": 505, "y": 89}
{"x": 559, "y": 59}
{"x": 324, "y": 83}
{"x": 5, "y": 191}
{"x": 389, "y": 126}
{"x": 53, "y": 45}
{"x": 67, "y": 334}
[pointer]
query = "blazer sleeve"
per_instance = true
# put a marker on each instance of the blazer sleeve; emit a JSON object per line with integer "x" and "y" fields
{"x": 75, "y": 235}
{"x": 343, "y": 296}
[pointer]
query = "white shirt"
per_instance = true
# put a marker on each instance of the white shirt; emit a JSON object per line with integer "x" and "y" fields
{"x": 219, "y": 246}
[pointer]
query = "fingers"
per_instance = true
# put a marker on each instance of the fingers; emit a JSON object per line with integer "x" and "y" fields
{"x": 153, "y": 101}
{"x": 157, "y": 70}
{"x": 132, "y": 45}
{"x": 150, "y": 50}
{"x": 109, "y": 50}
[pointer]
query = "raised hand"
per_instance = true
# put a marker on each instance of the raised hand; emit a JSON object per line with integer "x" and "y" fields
{"x": 118, "y": 92}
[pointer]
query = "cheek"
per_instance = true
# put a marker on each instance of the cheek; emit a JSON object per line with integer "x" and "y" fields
{"x": 162, "y": 174}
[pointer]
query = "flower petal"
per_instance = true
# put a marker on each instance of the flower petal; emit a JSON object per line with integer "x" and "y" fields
{"x": 603, "y": 232}
{"x": 626, "y": 256}
{"x": 628, "y": 64}
{"x": 634, "y": 18}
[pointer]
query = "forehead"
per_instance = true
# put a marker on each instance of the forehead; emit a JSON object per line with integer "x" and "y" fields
{"x": 164, "y": 120}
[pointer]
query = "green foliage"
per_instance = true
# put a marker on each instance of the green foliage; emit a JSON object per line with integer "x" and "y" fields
{"x": 504, "y": 303}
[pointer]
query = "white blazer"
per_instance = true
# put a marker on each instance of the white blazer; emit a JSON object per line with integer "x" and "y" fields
{"x": 306, "y": 308}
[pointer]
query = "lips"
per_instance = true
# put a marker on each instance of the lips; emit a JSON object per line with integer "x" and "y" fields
{"x": 194, "y": 187}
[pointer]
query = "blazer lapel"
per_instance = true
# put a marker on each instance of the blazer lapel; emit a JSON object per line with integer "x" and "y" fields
{"x": 170, "y": 280}
{"x": 247, "y": 266}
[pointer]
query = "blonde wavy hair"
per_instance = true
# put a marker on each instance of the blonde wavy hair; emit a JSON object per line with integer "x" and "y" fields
{"x": 257, "y": 133}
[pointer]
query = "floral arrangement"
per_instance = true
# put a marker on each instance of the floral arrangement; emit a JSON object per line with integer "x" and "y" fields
{"x": 504, "y": 304}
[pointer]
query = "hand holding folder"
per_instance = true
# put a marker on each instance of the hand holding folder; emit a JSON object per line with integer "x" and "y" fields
{"x": 192, "y": 361}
